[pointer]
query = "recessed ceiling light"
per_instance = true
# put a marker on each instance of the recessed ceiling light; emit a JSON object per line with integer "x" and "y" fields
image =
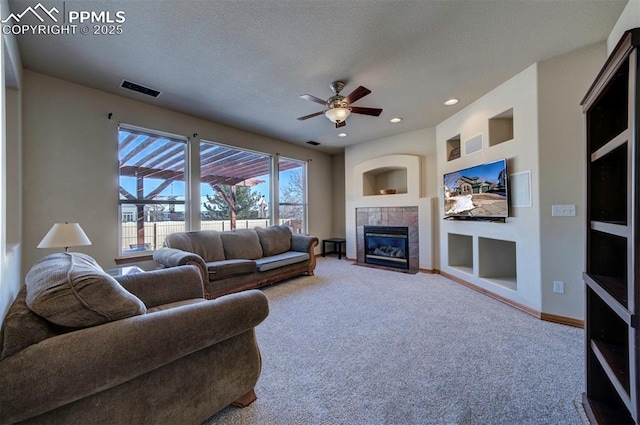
{"x": 395, "y": 120}
{"x": 451, "y": 102}
{"x": 342, "y": 135}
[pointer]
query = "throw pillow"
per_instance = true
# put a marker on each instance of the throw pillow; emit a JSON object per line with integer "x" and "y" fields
{"x": 71, "y": 289}
{"x": 241, "y": 244}
{"x": 206, "y": 243}
{"x": 274, "y": 239}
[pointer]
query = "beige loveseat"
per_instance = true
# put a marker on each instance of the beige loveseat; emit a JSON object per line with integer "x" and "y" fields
{"x": 143, "y": 348}
{"x": 237, "y": 260}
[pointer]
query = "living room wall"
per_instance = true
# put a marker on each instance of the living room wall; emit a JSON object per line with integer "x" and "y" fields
{"x": 337, "y": 182}
{"x": 562, "y": 83}
{"x": 501, "y": 258}
{"x": 421, "y": 143}
{"x": 10, "y": 170}
{"x": 71, "y": 161}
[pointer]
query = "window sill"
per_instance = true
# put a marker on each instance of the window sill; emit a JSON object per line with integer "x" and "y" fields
{"x": 134, "y": 258}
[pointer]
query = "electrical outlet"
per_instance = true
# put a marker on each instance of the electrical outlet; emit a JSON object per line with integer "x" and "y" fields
{"x": 558, "y": 287}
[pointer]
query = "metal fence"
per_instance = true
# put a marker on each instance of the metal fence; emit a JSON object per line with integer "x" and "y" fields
{"x": 155, "y": 232}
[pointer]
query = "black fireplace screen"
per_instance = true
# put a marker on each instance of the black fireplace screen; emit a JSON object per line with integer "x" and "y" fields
{"x": 387, "y": 246}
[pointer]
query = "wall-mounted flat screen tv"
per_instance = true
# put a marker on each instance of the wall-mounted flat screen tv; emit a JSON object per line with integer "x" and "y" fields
{"x": 477, "y": 192}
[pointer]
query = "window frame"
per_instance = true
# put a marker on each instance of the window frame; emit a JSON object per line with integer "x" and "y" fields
{"x": 150, "y": 201}
{"x": 305, "y": 188}
{"x": 271, "y": 173}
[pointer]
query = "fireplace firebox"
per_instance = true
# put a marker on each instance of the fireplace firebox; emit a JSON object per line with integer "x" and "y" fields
{"x": 387, "y": 246}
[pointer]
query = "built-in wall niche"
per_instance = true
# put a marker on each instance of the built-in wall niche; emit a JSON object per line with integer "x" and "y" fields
{"x": 461, "y": 252}
{"x": 497, "y": 262}
{"x": 453, "y": 148}
{"x": 375, "y": 182}
{"x": 501, "y": 128}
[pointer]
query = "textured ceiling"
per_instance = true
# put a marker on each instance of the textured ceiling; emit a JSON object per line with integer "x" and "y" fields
{"x": 244, "y": 63}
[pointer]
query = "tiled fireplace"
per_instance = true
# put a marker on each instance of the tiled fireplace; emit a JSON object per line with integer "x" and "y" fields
{"x": 369, "y": 203}
{"x": 388, "y": 237}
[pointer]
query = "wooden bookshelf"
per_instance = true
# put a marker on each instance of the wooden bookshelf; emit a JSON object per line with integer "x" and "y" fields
{"x": 612, "y": 275}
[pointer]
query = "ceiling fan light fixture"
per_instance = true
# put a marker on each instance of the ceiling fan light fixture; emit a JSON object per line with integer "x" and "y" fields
{"x": 337, "y": 115}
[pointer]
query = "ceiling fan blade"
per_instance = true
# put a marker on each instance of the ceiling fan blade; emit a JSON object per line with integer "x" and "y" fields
{"x": 366, "y": 111}
{"x": 311, "y": 116}
{"x": 341, "y": 124}
{"x": 358, "y": 93}
{"x": 313, "y": 99}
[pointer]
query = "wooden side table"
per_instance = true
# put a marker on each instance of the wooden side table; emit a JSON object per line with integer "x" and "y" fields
{"x": 337, "y": 246}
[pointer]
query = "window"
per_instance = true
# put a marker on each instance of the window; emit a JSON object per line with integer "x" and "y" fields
{"x": 235, "y": 187}
{"x": 152, "y": 188}
{"x": 292, "y": 190}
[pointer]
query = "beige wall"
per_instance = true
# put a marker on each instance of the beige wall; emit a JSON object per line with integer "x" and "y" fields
{"x": 562, "y": 83}
{"x": 10, "y": 177}
{"x": 71, "y": 161}
{"x": 420, "y": 143}
{"x": 337, "y": 181}
{"x": 629, "y": 18}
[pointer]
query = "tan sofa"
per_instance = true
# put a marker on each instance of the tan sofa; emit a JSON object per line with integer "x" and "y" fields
{"x": 243, "y": 259}
{"x": 143, "y": 348}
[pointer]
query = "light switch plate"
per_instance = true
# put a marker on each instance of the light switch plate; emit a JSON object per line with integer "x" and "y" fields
{"x": 563, "y": 210}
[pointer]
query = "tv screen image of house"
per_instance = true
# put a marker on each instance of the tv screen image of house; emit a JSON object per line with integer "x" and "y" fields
{"x": 479, "y": 191}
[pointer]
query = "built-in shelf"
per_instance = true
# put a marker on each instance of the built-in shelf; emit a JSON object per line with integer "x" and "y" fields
{"x": 461, "y": 252}
{"x": 385, "y": 178}
{"x": 497, "y": 262}
{"x": 453, "y": 148}
{"x": 501, "y": 128}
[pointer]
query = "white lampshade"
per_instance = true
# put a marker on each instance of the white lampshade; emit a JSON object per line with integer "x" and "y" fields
{"x": 64, "y": 235}
{"x": 337, "y": 115}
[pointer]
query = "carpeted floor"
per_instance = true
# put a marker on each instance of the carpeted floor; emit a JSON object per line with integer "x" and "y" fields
{"x": 356, "y": 345}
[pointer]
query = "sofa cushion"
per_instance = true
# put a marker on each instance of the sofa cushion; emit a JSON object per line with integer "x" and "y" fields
{"x": 206, "y": 243}
{"x": 242, "y": 244}
{"x": 280, "y": 260}
{"x": 229, "y": 268}
{"x": 169, "y": 306}
{"x": 22, "y": 327}
{"x": 274, "y": 239}
{"x": 71, "y": 289}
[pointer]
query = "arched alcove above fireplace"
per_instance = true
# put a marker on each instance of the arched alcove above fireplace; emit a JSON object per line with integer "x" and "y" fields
{"x": 398, "y": 173}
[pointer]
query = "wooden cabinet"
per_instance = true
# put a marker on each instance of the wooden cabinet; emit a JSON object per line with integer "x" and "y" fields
{"x": 612, "y": 274}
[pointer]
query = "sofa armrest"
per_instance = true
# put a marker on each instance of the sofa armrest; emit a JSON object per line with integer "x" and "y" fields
{"x": 172, "y": 257}
{"x": 164, "y": 286}
{"x": 303, "y": 243}
{"x": 67, "y": 367}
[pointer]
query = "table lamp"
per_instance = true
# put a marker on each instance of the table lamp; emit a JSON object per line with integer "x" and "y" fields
{"x": 64, "y": 235}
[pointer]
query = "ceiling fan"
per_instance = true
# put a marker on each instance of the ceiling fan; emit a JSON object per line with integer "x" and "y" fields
{"x": 339, "y": 107}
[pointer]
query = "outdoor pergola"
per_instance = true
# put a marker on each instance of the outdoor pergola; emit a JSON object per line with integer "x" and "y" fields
{"x": 146, "y": 157}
